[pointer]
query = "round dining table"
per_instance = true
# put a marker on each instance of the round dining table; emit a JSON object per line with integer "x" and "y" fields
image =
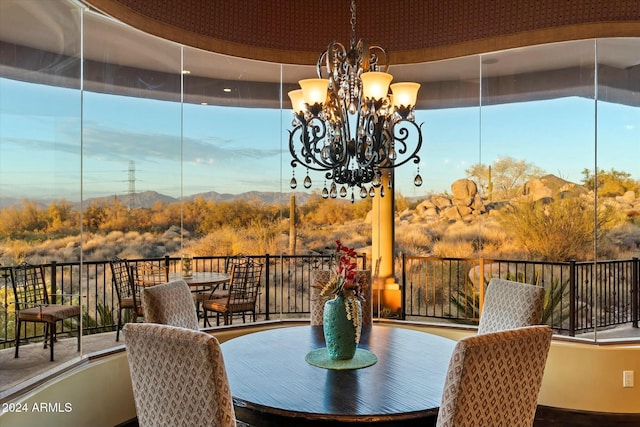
{"x": 203, "y": 279}
{"x": 273, "y": 385}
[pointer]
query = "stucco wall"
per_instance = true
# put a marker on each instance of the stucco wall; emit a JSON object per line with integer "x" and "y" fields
{"x": 578, "y": 376}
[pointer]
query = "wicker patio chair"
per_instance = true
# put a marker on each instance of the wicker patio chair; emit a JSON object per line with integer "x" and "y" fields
{"x": 178, "y": 377}
{"x": 494, "y": 379}
{"x": 242, "y": 297}
{"x": 33, "y": 304}
{"x": 170, "y": 304}
{"x": 509, "y": 305}
{"x": 128, "y": 298}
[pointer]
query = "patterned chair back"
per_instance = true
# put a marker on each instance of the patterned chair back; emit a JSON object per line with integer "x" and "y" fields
{"x": 494, "y": 379}
{"x": 121, "y": 277}
{"x": 28, "y": 286}
{"x": 509, "y": 305}
{"x": 170, "y": 304}
{"x": 244, "y": 286}
{"x": 178, "y": 377}
{"x": 148, "y": 274}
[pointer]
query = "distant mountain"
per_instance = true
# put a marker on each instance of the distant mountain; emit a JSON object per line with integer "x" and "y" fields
{"x": 146, "y": 199}
{"x": 267, "y": 197}
{"x": 6, "y": 202}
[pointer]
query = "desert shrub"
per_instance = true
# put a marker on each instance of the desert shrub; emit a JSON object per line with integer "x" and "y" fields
{"x": 414, "y": 239}
{"x": 560, "y": 230}
{"x": 256, "y": 238}
{"x": 321, "y": 211}
{"x": 610, "y": 183}
{"x": 15, "y": 251}
{"x": 114, "y": 236}
{"x": 459, "y": 248}
{"x": 237, "y": 214}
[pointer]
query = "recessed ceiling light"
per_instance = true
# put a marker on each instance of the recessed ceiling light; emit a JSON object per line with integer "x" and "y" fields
{"x": 227, "y": 89}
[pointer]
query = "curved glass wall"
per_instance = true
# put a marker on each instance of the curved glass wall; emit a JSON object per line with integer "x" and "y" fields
{"x": 98, "y": 116}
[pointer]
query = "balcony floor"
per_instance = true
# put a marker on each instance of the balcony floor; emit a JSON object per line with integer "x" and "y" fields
{"x": 34, "y": 359}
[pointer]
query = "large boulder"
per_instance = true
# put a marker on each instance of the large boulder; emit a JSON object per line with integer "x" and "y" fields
{"x": 452, "y": 213}
{"x": 464, "y": 189}
{"x": 536, "y": 189}
{"x": 441, "y": 202}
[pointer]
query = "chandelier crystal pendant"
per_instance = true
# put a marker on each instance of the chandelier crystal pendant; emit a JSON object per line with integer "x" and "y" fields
{"x": 354, "y": 125}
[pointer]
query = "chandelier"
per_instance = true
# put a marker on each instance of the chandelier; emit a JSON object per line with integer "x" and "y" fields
{"x": 354, "y": 125}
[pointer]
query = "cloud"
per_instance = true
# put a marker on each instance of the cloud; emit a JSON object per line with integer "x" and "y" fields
{"x": 122, "y": 145}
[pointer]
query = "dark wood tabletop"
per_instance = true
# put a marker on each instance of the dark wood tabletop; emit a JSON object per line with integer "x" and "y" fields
{"x": 273, "y": 385}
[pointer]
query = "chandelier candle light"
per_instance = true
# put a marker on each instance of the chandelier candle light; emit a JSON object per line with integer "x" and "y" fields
{"x": 354, "y": 125}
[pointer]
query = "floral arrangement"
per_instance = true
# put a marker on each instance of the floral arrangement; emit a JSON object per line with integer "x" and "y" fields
{"x": 344, "y": 282}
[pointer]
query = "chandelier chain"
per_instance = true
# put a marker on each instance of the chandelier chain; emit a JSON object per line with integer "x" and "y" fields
{"x": 353, "y": 23}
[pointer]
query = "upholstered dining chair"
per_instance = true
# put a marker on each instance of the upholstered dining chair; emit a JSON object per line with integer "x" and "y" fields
{"x": 494, "y": 379}
{"x": 128, "y": 298}
{"x": 316, "y": 301}
{"x": 170, "y": 304}
{"x": 178, "y": 377}
{"x": 509, "y": 305}
{"x": 244, "y": 288}
{"x": 32, "y": 304}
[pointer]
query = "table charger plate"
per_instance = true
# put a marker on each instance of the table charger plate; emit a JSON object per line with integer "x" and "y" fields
{"x": 320, "y": 358}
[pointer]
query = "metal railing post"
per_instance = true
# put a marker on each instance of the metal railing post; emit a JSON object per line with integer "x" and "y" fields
{"x": 481, "y": 288}
{"x": 635, "y": 291}
{"x": 402, "y": 290}
{"x": 54, "y": 283}
{"x": 573, "y": 303}
{"x": 267, "y": 299}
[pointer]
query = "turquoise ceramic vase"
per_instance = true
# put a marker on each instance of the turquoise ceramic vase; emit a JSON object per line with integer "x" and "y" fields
{"x": 339, "y": 332}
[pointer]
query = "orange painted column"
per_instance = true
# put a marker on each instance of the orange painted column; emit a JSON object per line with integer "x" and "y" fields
{"x": 386, "y": 291}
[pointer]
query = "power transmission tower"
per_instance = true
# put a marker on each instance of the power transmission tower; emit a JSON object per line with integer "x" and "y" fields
{"x": 132, "y": 199}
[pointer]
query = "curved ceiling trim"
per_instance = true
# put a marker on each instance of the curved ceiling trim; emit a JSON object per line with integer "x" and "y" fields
{"x": 627, "y": 24}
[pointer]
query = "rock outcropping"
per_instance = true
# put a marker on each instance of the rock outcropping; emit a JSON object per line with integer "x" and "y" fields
{"x": 465, "y": 202}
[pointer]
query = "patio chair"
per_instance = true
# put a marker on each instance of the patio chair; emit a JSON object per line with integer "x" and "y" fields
{"x": 494, "y": 379}
{"x": 128, "y": 298}
{"x": 242, "y": 297}
{"x": 316, "y": 301}
{"x": 148, "y": 274}
{"x": 217, "y": 293}
{"x": 509, "y": 305}
{"x": 178, "y": 377}
{"x": 170, "y": 304}
{"x": 33, "y": 304}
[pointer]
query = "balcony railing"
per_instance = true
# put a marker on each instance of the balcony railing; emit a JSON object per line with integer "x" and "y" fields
{"x": 581, "y": 296}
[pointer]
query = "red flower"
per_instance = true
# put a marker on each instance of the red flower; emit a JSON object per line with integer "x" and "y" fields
{"x": 346, "y": 279}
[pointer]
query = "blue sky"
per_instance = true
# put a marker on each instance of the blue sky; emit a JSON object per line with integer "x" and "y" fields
{"x": 239, "y": 149}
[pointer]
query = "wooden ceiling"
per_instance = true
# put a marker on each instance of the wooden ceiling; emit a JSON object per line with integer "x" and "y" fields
{"x": 413, "y": 31}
